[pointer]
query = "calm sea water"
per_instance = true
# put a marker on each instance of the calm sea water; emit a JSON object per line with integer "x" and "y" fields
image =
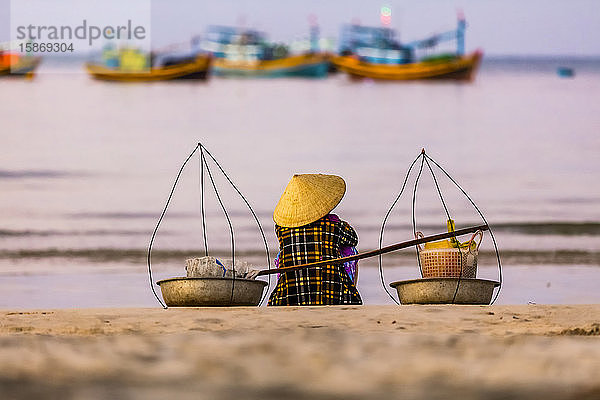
{"x": 86, "y": 167}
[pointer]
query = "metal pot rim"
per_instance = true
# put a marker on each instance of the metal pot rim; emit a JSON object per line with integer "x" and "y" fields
{"x": 183, "y": 278}
{"x": 398, "y": 283}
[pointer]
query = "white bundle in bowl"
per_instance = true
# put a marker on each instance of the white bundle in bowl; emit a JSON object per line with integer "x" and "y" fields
{"x": 211, "y": 267}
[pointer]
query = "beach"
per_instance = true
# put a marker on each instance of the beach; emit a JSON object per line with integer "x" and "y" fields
{"x": 336, "y": 352}
{"x": 82, "y": 194}
{"x": 152, "y": 142}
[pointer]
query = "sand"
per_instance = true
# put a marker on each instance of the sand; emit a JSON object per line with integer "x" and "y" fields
{"x": 409, "y": 352}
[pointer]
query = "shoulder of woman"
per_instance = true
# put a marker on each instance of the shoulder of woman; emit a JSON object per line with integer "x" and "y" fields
{"x": 333, "y": 218}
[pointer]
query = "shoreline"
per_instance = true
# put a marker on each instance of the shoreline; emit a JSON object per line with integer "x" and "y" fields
{"x": 331, "y": 352}
{"x": 72, "y": 286}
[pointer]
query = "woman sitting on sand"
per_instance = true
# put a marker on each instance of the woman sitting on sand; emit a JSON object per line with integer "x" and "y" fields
{"x": 308, "y": 233}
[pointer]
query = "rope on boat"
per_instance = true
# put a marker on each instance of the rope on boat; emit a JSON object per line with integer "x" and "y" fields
{"x": 203, "y": 163}
{"x": 425, "y": 159}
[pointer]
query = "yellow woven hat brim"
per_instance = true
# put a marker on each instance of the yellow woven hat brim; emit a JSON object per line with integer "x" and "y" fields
{"x": 307, "y": 198}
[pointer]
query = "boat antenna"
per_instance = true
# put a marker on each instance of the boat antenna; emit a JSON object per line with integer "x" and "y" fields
{"x": 460, "y": 32}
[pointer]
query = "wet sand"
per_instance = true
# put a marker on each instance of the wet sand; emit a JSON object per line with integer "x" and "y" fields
{"x": 409, "y": 352}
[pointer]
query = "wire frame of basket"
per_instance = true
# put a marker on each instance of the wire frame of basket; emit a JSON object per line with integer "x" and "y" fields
{"x": 450, "y": 262}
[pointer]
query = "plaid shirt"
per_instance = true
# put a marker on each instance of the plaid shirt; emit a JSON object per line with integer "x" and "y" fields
{"x": 328, "y": 284}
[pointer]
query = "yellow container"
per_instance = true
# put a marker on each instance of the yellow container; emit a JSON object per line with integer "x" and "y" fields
{"x": 132, "y": 60}
{"x": 449, "y": 258}
{"x": 451, "y": 243}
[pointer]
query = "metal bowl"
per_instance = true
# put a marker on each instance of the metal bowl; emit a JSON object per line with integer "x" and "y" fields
{"x": 443, "y": 290}
{"x": 211, "y": 292}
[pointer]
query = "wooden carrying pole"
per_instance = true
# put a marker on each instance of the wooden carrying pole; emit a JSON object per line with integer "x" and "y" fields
{"x": 377, "y": 252}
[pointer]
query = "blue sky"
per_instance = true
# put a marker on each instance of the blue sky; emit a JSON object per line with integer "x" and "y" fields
{"x": 507, "y": 27}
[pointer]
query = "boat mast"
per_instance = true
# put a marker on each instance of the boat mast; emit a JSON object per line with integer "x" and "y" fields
{"x": 460, "y": 34}
{"x": 314, "y": 33}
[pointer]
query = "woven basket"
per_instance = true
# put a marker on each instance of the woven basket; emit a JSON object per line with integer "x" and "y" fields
{"x": 450, "y": 262}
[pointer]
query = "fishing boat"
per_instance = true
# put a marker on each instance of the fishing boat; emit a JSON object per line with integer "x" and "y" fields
{"x": 129, "y": 65}
{"x": 565, "y": 72}
{"x": 246, "y": 53}
{"x": 375, "y": 53}
{"x": 14, "y": 64}
{"x": 459, "y": 67}
{"x": 304, "y": 65}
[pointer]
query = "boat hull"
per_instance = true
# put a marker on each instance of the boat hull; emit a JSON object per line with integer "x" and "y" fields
{"x": 461, "y": 68}
{"x": 197, "y": 69}
{"x": 307, "y": 66}
{"x": 25, "y": 67}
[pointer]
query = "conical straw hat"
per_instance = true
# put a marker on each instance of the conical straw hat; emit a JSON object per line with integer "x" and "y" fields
{"x": 307, "y": 198}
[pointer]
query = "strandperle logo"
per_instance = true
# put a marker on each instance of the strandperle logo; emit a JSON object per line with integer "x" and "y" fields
{"x": 85, "y": 31}
{"x": 91, "y": 29}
